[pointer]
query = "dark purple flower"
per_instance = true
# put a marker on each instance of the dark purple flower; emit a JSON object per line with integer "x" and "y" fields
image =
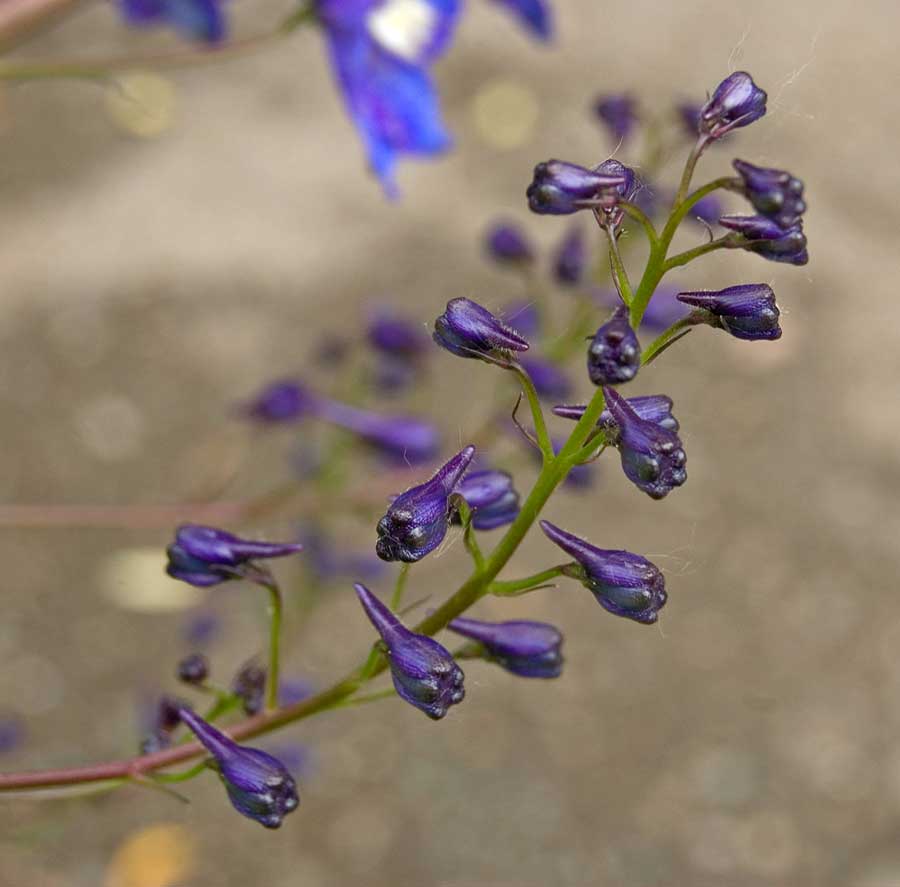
{"x": 425, "y": 674}
{"x": 416, "y": 521}
{"x": 618, "y": 113}
{"x": 249, "y": 685}
{"x": 403, "y": 439}
{"x": 623, "y": 583}
{"x": 737, "y": 101}
{"x": 259, "y": 786}
{"x": 195, "y": 19}
{"x": 747, "y": 311}
{"x": 766, "y": 238}
{"x": 205, "y": 556}
{"x": 774, "y": 193}
{"x": 614, "y": 355}
{"x": 507, "y": 243}
{"x": 560, "y": 188}
{"x": 689, "y": 115}
{"x": 550, "y": 381}
{"x": 491, "y": 497}
{"x": 655, "y": 408}
{"x": 468, "y": 330}
{"x": 193, "y": 669}
{"x": 571, "y": 257}
{"x": 284, "y": 401}
{"x": 381, "y": 51}
{"x": 652, "y": 456}
{"x": 630, "y": 186}
{"x": 527, "y": 649}
{"x": 395, "y": 335}
{"x": 533, "y": 14}
{"x": 523, "y": 317}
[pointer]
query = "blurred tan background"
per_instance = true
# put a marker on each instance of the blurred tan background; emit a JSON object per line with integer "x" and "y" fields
{"x": 752, "y": 737}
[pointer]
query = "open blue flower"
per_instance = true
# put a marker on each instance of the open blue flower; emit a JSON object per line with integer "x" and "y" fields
{"x": 381, "y": 51}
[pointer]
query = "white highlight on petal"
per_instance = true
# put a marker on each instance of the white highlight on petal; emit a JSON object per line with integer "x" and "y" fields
{"x": 403, "y": 27}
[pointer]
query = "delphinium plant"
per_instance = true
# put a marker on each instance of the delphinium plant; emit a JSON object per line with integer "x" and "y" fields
{"x": 464, "y": 493}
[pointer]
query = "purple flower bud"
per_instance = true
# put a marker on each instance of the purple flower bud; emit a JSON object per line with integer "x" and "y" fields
{"x": 507, "y": 243}
{"x": 468, "y": 330}
{"x": 394, "y": 335}
{"x": 571, "y": 257}
{"x": 774, "y": 193}
{"x": 559, "y": 188}
{"x": 655, "y": 408}
{"x": 623, "y": 583}
{"x": 614, "y": 355}
{"x": 652, "y": 456}
{"x": 403, "y": 439}
{"x": 689, "y": 115}
{"x": 768, "y": 239}
{"x": 491, "y": 497}
{"x": 416, "y": 521}
{"x": 249, "y": 685}
{"x": 527, "y": 649}
{"x": 737, "y": 101}
{"x": 618, "y": 113}
{"x": 747, "y": 311}
{"x": 193, "y": 669}
{"x": 259, "y": 786}
{"x": 282, "y": 401}
{"x": 523, "y": 317}
{"x": 165, "y": 717}
{"x": 425, "y": 674}
{"x": 550, "y": 381}
{"x": 631, "y": 185}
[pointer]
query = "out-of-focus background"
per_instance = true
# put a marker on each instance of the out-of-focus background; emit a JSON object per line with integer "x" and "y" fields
{"x": 170, "y": 246}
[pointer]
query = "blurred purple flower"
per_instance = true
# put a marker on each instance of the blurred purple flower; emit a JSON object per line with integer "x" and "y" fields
{"x": 202, "y": 20}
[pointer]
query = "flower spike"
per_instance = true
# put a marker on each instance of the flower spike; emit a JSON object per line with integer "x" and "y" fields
{"x": 424, "y": 673}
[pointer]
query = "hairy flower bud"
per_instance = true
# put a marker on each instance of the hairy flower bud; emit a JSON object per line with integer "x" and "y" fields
{"x": 424, "y": 673}
{"x": 205, "y": 556}
{"x": 765, "y": 237}
{"x": 571, "y": 257}
{"x": 618, "y": 113}
{"x": 527, "y": 649}
{"x": 737, "y": 101}
{"x": 652, "y": 456}
{"x": 259, "y": 786}
{"x": 614, "y": 355}
{"x": 193, "y": 669}
{"x": 416, "y": 521}
{"x": 491, "y": 497}
{"x": 561, "y": 188}
{"x": 506, "y": 242}
{"x": 466, "y": 329}
{"x": 747, "y": 311}
{"x": 774, "y": 193}
{"x": 623, "y": 583}
{"x": 655, "y": 408}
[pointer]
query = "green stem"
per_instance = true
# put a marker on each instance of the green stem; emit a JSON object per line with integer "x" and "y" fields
{"x": 689, "y": 167}
{"x": 619, "y": 270}
{"x": 276, "y": 610}
{"x": 182, "y": 775}
{"x": 515, "y": 587}
{"x": 469, "y": 538}
{"x": 399, "y": 587}
{"x": 690, "y": 254}
{"x": 665, "y": 337}
{"x": 537, "y": 413}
